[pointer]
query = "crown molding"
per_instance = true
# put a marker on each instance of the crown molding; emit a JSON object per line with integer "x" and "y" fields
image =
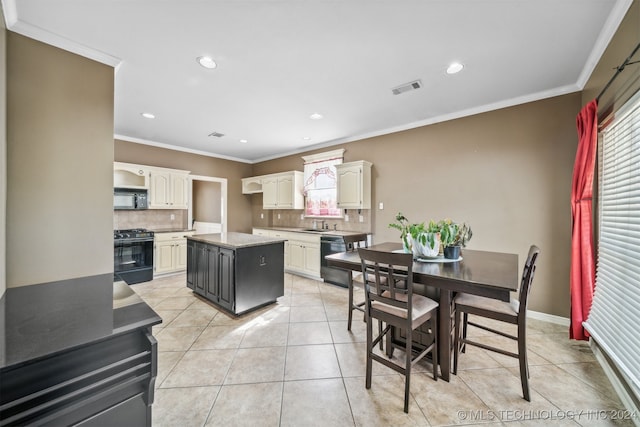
{"x": 608, "y": 31}
{"x": 178, "y": 148}
{"x": 14, "y": 24}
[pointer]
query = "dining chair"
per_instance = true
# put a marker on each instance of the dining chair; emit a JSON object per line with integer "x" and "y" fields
{"x": 352, "y": 243}
{"x": 489, "y": 308}
{"x": 389, "y": 298}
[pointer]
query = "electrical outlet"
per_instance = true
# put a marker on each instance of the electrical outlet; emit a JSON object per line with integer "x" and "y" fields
{"x": 361, "y": 218}
{"x": 278, "y": 216}
{"x": 346, "y": 218}
{"x": 261, "y": 216}
{"x": 172, "y": 217}
{"x": 301, "y": 216}
{"x": 381, "y": 206}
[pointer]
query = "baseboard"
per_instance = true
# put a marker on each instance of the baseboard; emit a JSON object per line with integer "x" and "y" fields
{"x": 559, "y": 320}
{"x": 622, "y": 390}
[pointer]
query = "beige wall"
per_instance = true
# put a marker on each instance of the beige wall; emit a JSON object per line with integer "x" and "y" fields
{"x": 507, "y": 173}
{"x": 206, "y": 201}
{"x": 3, "y": 152}
{"x": 238, "y": 205}
{"x": 59, "y": 164}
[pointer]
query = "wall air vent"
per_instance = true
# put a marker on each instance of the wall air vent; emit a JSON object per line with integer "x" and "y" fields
{"x": 216, "y": 134}
{"x": 417, "y": 84}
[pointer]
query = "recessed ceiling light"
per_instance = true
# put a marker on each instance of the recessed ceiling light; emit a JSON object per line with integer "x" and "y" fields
{"x": 315, "y": 116}
{"x": 454, "y": 67}
{"x": 207, "y": 62}
{"x": 306, "y": 138}
{"x": 244, "y": 141}
{"x": 148, "y": 115}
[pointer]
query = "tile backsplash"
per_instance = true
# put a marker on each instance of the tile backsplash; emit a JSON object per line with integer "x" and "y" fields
{"x": 292, "y": 218}
{"x": 153, "y": 219}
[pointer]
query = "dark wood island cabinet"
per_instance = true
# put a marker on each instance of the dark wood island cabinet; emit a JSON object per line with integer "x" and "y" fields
{"x": 76, "y": 352}
{"x": 238, "y": 272}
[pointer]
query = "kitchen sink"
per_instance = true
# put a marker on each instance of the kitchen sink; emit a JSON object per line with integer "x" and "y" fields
{"x": 317, "y": 230}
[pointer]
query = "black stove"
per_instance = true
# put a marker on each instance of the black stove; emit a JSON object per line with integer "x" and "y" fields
{"x": 133, "y": 255}
{"x": 134, "y": 233}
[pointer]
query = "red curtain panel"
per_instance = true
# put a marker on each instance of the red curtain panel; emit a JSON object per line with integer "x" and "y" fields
{"x": 582, "y": 279}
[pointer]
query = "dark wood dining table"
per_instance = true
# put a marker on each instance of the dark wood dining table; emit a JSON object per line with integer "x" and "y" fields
{"x": 488, "y": 274}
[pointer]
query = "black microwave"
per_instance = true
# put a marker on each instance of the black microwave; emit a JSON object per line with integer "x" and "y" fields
{"x": 129, "y": 199}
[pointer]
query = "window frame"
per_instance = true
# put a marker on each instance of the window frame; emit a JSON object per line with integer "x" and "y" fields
{"x": 333, "y": 157}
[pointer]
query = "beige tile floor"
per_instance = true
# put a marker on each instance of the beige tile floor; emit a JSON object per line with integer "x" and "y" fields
{"x": 294, "y": 363}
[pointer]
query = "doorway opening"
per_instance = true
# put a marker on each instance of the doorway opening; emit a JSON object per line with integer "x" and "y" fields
{"x": 207, "y": 204}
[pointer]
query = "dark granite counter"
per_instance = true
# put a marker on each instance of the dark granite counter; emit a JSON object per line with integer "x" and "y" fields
{"x": 45, "y": 319}
{"x": 234, "y": 240}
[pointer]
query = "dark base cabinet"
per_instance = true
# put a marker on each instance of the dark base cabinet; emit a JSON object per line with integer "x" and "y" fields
{"x": 105, "y": 383}
{"x": 237, "y": 279}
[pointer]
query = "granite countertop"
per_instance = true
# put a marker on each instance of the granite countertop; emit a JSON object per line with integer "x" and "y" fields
{"x": 45, "y": 319}
{"x": 171, "y": 230}
{"x": 235, "y": 240}
{"x": 320, "y": 232}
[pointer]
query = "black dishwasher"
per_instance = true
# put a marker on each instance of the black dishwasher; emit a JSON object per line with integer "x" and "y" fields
{"x": 332, "y": 245}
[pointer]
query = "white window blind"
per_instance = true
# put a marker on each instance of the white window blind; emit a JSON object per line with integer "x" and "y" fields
{"x": 615, "y": 313}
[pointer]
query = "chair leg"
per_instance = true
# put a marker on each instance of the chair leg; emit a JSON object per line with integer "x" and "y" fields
{"x": 407, "y": 371}
{"x": 350, "y": 285}
{"x": 456, "y": 342}
{"x": 524, "y": 366}
{"x": 464, "y": 330}
{"x": 388, "y": 337}
{"x": 434, "y": 350}
{"x": 369, "y": 351}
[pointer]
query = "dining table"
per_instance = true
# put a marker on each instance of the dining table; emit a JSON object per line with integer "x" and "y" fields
{"x": 484, "y": 273}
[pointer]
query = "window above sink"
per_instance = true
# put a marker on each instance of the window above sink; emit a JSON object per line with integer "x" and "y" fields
{"x": 320, "y": 185}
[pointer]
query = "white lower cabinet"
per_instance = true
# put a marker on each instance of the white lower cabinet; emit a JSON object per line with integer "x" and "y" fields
{"x": 301, "y": 251}
{"x": 304, "y": 257}
{"x": 170, "y": 252}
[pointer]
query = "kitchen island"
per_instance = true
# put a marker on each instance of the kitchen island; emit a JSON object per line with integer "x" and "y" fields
{"x": 236, "y": 271}
{"x": 76, "y": 352}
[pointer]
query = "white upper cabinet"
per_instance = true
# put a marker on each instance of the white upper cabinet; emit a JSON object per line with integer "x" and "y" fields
{"x": 129, "y": 175}
{"x": 168, "y": 189}
{"x": 354, "y": 185}
{"x": 283, "y": 190}
{"x": 252, "y": 185}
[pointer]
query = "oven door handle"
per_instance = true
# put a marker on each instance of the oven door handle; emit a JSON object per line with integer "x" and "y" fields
{"x": 142, "y": 239}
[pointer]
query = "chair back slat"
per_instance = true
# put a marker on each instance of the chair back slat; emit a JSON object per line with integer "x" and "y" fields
{"x": 353, "y": 242}
{"x": 397, "y": 268}
{"x": 527, "y": 279}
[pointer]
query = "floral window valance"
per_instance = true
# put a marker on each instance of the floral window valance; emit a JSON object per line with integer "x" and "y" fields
{"x": 320, "y": 188}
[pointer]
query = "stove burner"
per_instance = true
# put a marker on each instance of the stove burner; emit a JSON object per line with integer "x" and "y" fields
{"x": 134, "y": 233}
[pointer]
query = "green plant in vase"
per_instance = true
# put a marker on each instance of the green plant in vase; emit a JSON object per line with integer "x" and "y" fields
{"x": 454, "y": 236}
{"x": 402, "y": 225}
{"x": 420, "y": 239}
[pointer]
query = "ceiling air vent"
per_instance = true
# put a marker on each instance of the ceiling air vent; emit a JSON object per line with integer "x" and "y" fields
{"x": 417, "y": 84}
{"x": 216, "y": 134}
